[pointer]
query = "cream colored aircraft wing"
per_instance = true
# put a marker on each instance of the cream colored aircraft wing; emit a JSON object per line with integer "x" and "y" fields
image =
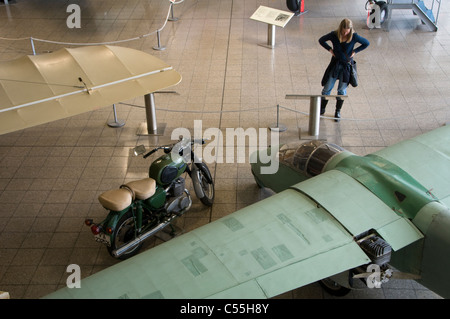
{"x": 43, "y": 88}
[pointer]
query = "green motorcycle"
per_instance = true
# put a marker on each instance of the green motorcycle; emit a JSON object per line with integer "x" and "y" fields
{"x": 140, "y": 209}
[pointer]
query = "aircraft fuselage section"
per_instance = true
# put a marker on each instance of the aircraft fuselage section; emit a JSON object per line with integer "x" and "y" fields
{"x": 395, "y": 187}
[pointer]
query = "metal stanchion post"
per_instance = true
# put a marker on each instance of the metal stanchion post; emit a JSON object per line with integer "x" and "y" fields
{"x": 277, "y": 126}
{"x": 32, "y": 46}
{"x": 152, "y": 127}
{"x": 314, "y": 109}
{"x": 172, "y": 18}
{"x": 116, "y": 123}
{"x": 271, "y": 35}
{"x": 314, "y": 115}
{"x": 159, "y": 47}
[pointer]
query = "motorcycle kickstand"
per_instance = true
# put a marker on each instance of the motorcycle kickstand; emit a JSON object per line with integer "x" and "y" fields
{"x": 172, "y": 231}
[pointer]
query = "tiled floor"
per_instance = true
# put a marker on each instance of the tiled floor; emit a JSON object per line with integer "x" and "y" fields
{"x": 51, "y": 175}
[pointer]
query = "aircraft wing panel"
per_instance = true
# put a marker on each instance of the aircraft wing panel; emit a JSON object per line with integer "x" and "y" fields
{"x": 346, "y": 198}
{"x": 265, "y": 249}
{"x": 43, "y": 88}
{"x": 426, "y": 158}
{"x": 247, "y": 290}
{"x": 284, "y": 229}
{"x": 181, "y": 268}
{"x": 400, "y": 233}
{"x": 298, "y": 274}
{"x": 306, "y": 271}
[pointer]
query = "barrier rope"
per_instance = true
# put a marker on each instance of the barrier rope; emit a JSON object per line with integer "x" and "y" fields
{"x": 271, "y": 107}
{"x": 187, "y": 111}
{"x": 363, "y": 120}
{"x": 172, "y": 2}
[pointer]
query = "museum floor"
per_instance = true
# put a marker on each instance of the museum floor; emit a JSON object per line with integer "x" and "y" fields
{"x": 51, "y": 175}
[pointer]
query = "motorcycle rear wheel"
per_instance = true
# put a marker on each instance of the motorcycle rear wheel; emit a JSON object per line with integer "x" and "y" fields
{"x": 123, "y": 234}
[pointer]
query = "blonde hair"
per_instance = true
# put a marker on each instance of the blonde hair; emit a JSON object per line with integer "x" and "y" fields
{"x": 345, "y": 24}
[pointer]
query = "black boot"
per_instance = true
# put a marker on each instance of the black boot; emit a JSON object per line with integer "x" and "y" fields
{"x": 337, "y": 114}
{"x": 323, "y": 105}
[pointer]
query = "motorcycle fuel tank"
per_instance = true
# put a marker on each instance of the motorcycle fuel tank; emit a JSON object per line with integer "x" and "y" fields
{"x": 165, "y": 169}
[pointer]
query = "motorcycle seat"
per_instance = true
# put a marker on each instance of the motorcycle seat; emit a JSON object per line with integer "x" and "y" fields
{"x": 143, "y": 188}
{"x": 116, "y": 199}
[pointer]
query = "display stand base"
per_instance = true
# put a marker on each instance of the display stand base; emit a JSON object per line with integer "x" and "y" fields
{"x": 143, "y": 130}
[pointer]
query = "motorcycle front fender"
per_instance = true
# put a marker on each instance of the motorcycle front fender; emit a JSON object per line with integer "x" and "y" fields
{"x": 202, "y": 167}
{"x": 195, "y": 175}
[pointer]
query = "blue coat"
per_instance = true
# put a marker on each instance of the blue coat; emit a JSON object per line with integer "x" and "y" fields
{"x": 342, "y": 53}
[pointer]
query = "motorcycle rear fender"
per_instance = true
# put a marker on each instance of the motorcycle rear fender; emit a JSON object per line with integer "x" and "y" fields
{"x": 113, "y": 218}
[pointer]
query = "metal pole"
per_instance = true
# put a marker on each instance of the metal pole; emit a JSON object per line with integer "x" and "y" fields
{"x": 159, "y": 47}
{"x": 314, "y": 115}
{"x": 116, "y": 123}
{"x": 150, "y": 112}
{"x": 172, "y": 18}
{"x": 32, "y": 46}
{"x": 271, "y": 35}
{"x": 277, "y": 126}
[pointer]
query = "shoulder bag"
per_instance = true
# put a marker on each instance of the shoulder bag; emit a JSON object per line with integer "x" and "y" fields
{"x": 353, "y": 80}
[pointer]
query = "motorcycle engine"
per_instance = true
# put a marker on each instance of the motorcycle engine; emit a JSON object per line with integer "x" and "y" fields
{"x": 180, "y": 200}
{"x": 178, "y": 187}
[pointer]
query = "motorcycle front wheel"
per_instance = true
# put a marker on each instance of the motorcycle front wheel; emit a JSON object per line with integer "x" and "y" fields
{"x": 123, "y": 234}
{"x": 206, "y": 185}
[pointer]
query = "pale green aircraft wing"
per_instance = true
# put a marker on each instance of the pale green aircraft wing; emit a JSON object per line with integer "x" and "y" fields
{"x": 296, "y": 237}
{"x": 427, "y": 159}
{"x": 273, "y": 246}
{"x": 358, "y": 209}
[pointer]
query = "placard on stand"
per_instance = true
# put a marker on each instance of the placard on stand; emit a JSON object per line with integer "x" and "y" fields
{"x": 273, "y": 18}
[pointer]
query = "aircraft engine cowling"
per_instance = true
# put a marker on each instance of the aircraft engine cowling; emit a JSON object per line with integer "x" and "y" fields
{"x": 297, "y": 162}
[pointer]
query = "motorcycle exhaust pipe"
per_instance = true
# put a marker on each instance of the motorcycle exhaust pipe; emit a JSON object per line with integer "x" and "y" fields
{"x": 120, "y": 251}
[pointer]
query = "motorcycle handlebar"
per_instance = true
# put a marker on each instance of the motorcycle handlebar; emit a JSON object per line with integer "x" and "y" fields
{"x": 199, "y": 141}
{"x": 170, "y": 146}
{"x": 151, "y": 152}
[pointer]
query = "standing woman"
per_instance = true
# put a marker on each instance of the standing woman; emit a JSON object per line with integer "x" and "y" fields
{"x": 343, "y": 51}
